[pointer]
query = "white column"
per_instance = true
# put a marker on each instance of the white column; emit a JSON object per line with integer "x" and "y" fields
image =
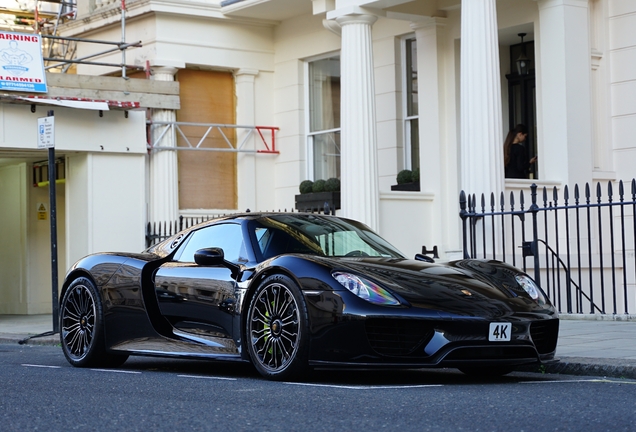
{"x": 164, "y": 178}
{"x": 359, "y": 166}
{"x": 430, "y": 87}
{"x": 481, "y": 124}
{"x": 245, "y": 115}
{"x": 565, "y": 151}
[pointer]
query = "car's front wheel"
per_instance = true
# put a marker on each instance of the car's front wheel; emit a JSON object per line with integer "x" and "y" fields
{"x": 82, "y": 327}
{"x": 277, "y": 329}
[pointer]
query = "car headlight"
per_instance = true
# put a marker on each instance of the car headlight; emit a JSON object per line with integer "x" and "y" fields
{"x": 531, "y": 288}
{"x": 365, "y": 289}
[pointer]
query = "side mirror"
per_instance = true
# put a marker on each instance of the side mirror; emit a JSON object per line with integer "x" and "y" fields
{"x": 209, "y": 257}
{"x": 215, "y": 257}
{"x": 425, "y": 258}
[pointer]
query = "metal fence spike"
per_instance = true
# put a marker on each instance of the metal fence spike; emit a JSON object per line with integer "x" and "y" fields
{"x": 576, "y": 193}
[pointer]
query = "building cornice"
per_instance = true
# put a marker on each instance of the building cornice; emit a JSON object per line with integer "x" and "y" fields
{"x": 111, "y": 15}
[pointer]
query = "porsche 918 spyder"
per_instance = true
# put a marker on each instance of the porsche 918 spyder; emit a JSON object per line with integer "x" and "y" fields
{"x": 289, "y": 292}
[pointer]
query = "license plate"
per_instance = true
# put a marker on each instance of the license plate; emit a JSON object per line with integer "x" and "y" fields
{"x": 500, "y": 332}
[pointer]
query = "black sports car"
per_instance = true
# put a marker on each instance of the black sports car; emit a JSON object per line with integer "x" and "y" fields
{"x": 294, "y": 291}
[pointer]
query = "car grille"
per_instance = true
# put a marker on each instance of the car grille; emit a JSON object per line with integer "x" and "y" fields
{"x": 397, "y": 337}
{"x": 544, "y": 335}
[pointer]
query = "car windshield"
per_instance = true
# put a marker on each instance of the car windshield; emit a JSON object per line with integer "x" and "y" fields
{"x": 318, "y": 235}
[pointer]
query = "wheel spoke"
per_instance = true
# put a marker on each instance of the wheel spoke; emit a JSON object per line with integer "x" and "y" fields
{"x": 89, "y": 331}
{"x": 90, "y": 314}
{"x": 276, "y": 300}
{"x": 72, "y": 328}
{"x": 284, "y": 353}
{"x": 82, "y": 299}
{"x": 74, "y": 342}
{"x": 71, "y": 314}
{"x": 291, "y": 320}
{"x": 85, "y": 342}
{"x": 265, "y": 312}
{"x": 264, "y": 317}
{"x": 266, "y": 348}
{"x": 259, "y": 332}
{"x": 289, "y": 335}
{"x": 76, "y": 306}
{"x": 285, "y": 306}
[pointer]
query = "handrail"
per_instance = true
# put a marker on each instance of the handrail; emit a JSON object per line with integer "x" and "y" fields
{"x": 567, "y": 270}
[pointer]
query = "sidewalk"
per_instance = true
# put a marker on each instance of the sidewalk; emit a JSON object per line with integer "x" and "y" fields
{"x": 588, "y": 345}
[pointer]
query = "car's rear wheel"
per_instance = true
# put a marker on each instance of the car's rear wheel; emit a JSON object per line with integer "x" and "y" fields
{"x": 82, "y": 327}
{"x": 486, "y": 371}
{"x": 277, "y": 329}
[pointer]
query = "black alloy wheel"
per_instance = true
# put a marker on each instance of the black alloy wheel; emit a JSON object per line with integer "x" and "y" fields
{"x": 81, "y": 327}
{"x": 277, "y": 329}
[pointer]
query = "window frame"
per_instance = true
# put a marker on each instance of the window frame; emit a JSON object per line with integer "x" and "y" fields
{"x": 408, "y": 120}
{"x": 309, "y": 135}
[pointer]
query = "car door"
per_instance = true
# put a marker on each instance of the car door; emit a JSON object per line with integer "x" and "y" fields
{"x": 198, "y": 300}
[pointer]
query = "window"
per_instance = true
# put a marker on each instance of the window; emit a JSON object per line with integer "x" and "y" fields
{"x": 411, "y": 123}
{"x": 324, "y": 118}
{"x": 229, "y": 237}
{"x": 316, "y": 235}
{"x": 207, "y": 179}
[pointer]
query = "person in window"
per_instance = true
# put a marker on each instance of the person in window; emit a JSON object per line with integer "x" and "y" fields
{"x": 516, "y": 162}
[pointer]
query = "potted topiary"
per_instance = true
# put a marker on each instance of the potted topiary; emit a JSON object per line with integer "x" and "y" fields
{"x": 315, "y": 195}
{"x": 407, "y": 180}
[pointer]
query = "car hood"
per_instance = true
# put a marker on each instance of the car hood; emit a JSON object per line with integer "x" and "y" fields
{"x": 478, "y": 288}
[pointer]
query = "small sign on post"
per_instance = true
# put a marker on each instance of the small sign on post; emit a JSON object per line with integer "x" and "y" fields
{"x": 46, "y": 132}
{"x": 46, "y": 140}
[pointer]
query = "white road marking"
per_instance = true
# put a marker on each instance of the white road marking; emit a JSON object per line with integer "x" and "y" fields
{"x": 207, "y": 377}
{"x": 42, "y": 366}
{"x": 116, "y": 371}
{"x": 365, "y": 387}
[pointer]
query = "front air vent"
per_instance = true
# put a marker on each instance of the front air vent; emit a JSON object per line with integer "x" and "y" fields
{"x": 544, "y": 335}
{"x": 395, "y": 337}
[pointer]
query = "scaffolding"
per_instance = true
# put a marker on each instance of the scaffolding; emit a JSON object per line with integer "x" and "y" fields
{"x": 45, "y": 17}
{"x": 202, "y": 136}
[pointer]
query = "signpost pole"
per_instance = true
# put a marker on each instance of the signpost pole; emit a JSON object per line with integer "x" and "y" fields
{"x": 53, "y": 206}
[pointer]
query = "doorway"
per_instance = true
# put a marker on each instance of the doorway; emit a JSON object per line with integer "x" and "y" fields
{"x": 522, "y": 97}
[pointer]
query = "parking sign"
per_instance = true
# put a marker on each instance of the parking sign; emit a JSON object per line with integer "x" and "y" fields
{"x": 46, "y": 132}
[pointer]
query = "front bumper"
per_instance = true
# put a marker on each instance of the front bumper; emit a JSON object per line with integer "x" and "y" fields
{"x": 410, "y": 337}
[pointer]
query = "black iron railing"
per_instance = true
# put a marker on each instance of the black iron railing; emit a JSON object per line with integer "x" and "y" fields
{"x": 581, "y": 250}
{"x": 156, "y": 232}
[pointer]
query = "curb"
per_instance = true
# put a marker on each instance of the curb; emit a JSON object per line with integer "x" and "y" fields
{"x": 585, "y": 366}
{"x": 598, "y": 317}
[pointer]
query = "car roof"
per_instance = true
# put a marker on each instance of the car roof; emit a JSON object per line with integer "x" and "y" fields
{"x": 168, "y": 245}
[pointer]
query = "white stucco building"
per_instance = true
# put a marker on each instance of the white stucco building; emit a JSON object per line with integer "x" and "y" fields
{"x": 360, "y": 90}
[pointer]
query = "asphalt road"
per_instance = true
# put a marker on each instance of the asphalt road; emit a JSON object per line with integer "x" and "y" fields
{"x": 39, "y": 390}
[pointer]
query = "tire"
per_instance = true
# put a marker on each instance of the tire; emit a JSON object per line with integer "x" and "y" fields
{"x": 486, "y": 371}
{"x": 277, "y": 329}
{"x": 82, "y": 327}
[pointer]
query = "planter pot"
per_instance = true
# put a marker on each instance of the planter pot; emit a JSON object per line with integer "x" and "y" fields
{"x": 414, "y": 187}
{"x": 315, "y": 201}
